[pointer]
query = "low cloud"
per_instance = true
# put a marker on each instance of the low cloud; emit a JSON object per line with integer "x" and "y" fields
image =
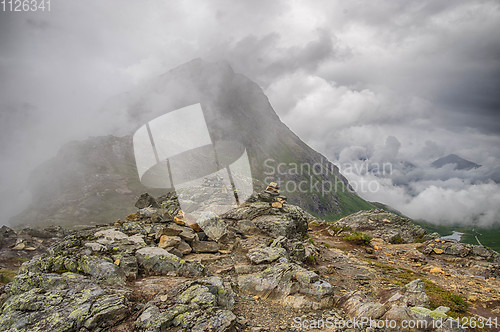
{"x": 385, "y": 143}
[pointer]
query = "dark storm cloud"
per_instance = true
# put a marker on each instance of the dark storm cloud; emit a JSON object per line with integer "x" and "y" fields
{"x": 345, "y": 76}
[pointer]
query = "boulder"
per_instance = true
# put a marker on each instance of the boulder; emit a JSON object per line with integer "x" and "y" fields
{"x": 170, "y": 229}
{"x": 114, "y": 238}
{"x": 62, "y": 302}
{"x": 129, "y": 266}
{"x": 110, "y": 235}
{"x": 266, "y": 255}
{"x": 94, "y": 246}
{"x": 168, "y": 241}
{"x": 6, "y": 232}
{"x": 205, "y": 246}
{"x": 356, "y": 304}
{"x": 289, "y": 220}
{"x": 146, "y": 200}
{"x": 457, "y": 249}
{"x": 187, "y": 235}
{"x": 282, "y": 280}
{"x": 246, "y": 227}
{"x": 136, "y": 239}
{"x": 147, "y": 212}
{"x": 293, "y": 224}
{"x": 160, "y": 262}
{"x": 184, "y": 248}
{"x": 482, "y": 251}
{"x": 463, "y": 250}
{"x": 414, "y": 294}
{"x": 101, "y": 269}
{"x": 212, "y": 225}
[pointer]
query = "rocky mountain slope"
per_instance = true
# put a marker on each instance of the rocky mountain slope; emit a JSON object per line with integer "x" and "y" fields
{"x": 257, "y": 267}
{"x": 95, "y": 180}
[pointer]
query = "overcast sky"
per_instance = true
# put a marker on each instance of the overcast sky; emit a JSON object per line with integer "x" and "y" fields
{"x": 373, "y": 80}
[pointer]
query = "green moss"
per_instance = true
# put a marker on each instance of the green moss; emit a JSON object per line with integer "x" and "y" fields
{"x": 357, "y": 238}
{"x": 221, "y": 291}
{"x": 437, "y": 315}
{"x": 311, "y": 259}
{"x": 182, "y": 319}
{"x": 339, "y": 229}
{"x": 440, "y": 297}
{"x": 421, "y": 311}
{"x": 427, "y": 312}
{"x": 419, "y": 239}
{"x": 7, "y": 276}
{"x": 79, "y": 313}
{"x": 396, "y": 239}
{"x": 380, "y": 265}
{"x": 437, "y": 295}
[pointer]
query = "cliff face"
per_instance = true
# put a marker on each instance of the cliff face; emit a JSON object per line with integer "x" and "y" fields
{"x": 97, "y": 179}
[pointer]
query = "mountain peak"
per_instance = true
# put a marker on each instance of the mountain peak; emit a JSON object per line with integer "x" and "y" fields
{"x": 233, "y": 109}
{"x": 460, "y": 163}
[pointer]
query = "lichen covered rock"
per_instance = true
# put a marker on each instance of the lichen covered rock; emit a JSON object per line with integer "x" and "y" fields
{"x": 203, "y": 305}
{"x": 159, "y": 261}
{"x": 61, "y": 302}
{"x": 266, "y": 255}
{"x": 280, "y": 281}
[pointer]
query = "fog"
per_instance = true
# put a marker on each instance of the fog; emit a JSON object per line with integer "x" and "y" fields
{"x": 362, "y": 82}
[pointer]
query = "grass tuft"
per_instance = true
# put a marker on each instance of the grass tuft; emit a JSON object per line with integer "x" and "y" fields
{"x": 357, "y": 238}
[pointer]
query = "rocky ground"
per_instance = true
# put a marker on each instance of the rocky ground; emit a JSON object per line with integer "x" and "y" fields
{"x": 263, "y": 266}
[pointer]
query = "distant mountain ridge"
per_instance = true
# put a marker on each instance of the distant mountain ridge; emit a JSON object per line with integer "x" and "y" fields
{"x": 96, "y": 180}
{"x": 461, "y": 163}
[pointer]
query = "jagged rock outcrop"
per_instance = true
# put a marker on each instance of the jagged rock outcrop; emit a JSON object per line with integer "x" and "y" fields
{"x": 463, "y": 250}
{"x": 481, "y": 260}
{"x": 85, "y": 281}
